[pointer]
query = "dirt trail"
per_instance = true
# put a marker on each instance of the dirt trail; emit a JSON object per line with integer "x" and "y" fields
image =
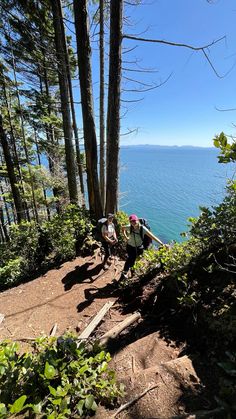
{"x": 71, "y": 296}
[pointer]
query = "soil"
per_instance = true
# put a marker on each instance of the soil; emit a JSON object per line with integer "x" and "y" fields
{"x": 144, "y": 356}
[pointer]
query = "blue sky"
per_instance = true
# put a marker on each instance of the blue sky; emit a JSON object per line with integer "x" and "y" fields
{"x": 182, "y": 111}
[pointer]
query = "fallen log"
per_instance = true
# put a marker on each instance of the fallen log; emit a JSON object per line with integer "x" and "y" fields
{"x": 116, "y": 330}
{"x": 97, "y": 319}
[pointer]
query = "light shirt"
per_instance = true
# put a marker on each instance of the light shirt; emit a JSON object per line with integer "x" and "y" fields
{"x": 135, "y": 238}
{"x": 109, "y": 228}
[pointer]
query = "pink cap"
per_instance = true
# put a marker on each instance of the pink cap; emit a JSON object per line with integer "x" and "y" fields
{"x": 133, "y": 217}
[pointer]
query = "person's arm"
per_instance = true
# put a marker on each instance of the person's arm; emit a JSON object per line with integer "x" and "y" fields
{"x": 124, "y": 231}
{"x": 105, "y": 235}
{"x": 115, "y": 235}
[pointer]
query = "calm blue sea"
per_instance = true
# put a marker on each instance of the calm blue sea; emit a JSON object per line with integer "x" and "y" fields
{"x": 167, "y": 185}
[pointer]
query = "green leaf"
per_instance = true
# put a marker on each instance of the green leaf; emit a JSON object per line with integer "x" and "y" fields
{"x": 56, "y": 402}
{"x": 3, "y": 409}
{"x": 37, "y": 408}
{"x": 18, "y": 405}
{"x": 2, "y": 369}
{"x": 52, "y": 391}
{"x": 49, "y": 371}
{"x": 79, "y": 407}
{"x": 89, "y": 401}
{"x": 83, "y": 369}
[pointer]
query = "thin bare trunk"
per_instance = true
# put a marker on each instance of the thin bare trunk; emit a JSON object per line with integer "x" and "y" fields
{"x": 11, "y": 174}
{"x": 39, "y": 162}
{"x": 113, "y": 111}
{"x": 5, "y": 206}
{"x": 35, "y": 212}
{"x": 75, "y": 128}
{"x": 65, "y": 102}
{"x": 13, "y": 142}
{"x": 85, "y": 76}
{"x": 102, "y": 122}
{"x": 2, "y": 219}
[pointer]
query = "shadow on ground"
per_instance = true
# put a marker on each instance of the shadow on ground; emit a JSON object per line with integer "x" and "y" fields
{"x": 81, "y": 274}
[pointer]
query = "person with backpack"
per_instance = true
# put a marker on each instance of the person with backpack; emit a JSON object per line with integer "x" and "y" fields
{"x": 109, "y": 239}
{"x": 137, "y": 239}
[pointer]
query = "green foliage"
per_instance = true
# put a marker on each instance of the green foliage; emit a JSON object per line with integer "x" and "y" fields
{"x": 122, "y": 219}
{"x": 24, "y": 242}
{"x": 31, "y": 245}
{"x": 228, "y": 151}
{"x": 216, "y": 227}
{"x": 11, "y": 270}
{"x": 59, "y": 379}
{"x": 68, "y": 229}
{"x": 227, "y": 394}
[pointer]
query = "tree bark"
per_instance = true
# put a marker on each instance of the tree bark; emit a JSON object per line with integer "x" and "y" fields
{"x": 12, "y": 177}
{"x": 5, "y": 236}
{"x": 75, "y": 128}
{"x": 102, "y": 123}
{"x": 35, "y": 211}
{"x": 13, "y": 143}
{"x": 65, "y": 102}
{"x": 113, "y": 112}
{"x": 85, "y": 76}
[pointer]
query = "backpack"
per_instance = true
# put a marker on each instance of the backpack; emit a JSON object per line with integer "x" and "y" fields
{"x": 147, "y": 241}
{"x": 97, "y": 232}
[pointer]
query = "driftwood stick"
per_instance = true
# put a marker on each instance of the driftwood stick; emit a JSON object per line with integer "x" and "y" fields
{"x": 2, "y": 316}
{"x": 116, "y": 330}
{"x": 53, "y": 331}
{"x": 124, "y": 406}
{"x": 23, "y": 339}
{"x": 97, "y": 319}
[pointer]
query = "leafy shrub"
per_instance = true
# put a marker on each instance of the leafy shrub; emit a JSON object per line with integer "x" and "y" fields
{"x": 217, "y": 227}
{"x": 11, "y": 271}
{"x": 59, "y": 379}
{"x": 31, "y": 244}
{"x": 68, "y": 229}
{"x": 122, "y": 219}
{"x": 24, "y": 242}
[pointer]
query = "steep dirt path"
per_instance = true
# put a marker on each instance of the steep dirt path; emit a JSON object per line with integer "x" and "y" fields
{"x": 71, "y": 296}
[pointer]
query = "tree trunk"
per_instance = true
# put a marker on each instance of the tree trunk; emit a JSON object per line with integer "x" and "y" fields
{"x": 44, "y": 190}
{"x": 13, "y": 143}
{"x": 5, "y": 206}
{"x": 75, "y": 128}
{"x": 65, "y": 102}
{"x": 3, "y": 224}
{"x": 12, "y": 177}
{"x": 24, "y": 140}
{"x": 113, "y": 112}
{"x": 102, "y": 123}
{"x": 50, "y": 133}
{"x": 85, "y": 76}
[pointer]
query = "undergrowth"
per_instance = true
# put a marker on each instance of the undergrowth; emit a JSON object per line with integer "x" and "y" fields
{"x": 58, "y": 379}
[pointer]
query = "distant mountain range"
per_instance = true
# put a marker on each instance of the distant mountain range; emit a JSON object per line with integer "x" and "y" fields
{"x": 162, "y": 146}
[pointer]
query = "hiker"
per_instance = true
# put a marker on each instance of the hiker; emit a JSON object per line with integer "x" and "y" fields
{"x": 135, "y": 242}
{"x": 109, "y": 239}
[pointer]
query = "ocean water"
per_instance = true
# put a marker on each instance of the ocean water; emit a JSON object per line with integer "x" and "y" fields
{"x": 167, "y": 185}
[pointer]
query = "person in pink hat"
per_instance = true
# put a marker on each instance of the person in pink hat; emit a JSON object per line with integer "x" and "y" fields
{"x": 134, "y": 239}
